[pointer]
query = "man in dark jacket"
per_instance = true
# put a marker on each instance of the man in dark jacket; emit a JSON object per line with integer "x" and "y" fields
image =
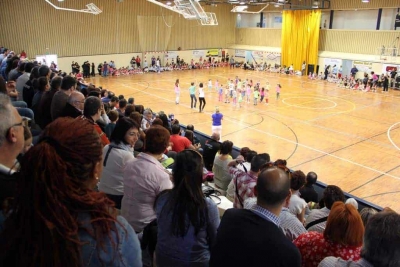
{"x": 11, "y": 144}
{"x": 210, "y": 149}
{"x": 74, "y": 106}
{"x": 253, "y": 237}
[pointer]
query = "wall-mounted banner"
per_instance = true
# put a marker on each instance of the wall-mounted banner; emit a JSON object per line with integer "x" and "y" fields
{"x": 240, "y": 53}
{"x": 199, "y": 53}
{"x": 363, "y": 66}
{"x": 333, "y": 62}
{"x": 171, "y": 55}
{"x": 212, "y": 52}
{"x": 258, "y": 55}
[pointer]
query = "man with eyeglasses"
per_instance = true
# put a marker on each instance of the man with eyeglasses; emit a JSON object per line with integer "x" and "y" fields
{"x": 11, "y": 144}
{"x": 74, "y": 106}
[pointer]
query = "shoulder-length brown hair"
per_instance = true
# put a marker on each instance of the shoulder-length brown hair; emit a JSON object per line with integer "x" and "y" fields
{"x": 344, "y": 225}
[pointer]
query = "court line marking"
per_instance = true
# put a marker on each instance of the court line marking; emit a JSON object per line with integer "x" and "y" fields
{"x": 292, "y": 142}
{"x": 390, "y": 138}
{"x": 318, "y": 99}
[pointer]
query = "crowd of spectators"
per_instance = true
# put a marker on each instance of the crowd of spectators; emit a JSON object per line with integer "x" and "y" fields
{"x": 88, "y": 178}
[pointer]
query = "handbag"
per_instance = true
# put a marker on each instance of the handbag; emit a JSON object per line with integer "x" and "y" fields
{"x": 210, "y": 192}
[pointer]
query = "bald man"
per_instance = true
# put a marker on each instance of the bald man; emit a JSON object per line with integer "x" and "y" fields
{"x": 210, "y": 149}
{"x": 252, "y": 237}
{"x": 74, "y": 106}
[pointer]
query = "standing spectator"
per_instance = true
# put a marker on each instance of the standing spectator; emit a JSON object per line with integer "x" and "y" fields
{"x": 192, "y": 92}
{"x": 269, "y": 246}
{"x": 327, "y": 71}
{"x": 100, "y": 68}
{"x": 342, "y": 237}
{"x": 138, "y": 61}
{"x": 88, "y": 231}
{"x": 105, "y": 69}
{"x": 93, "y": 72}
{"x": 303, "y": 68}
{"x": 353, "y": 71}
{"x": 217, "y": 118}
{"x": 115, "y": 157}
{"x": 307, "y": 192}
{"x": 201, "y": 98}
{"x": 385, "y": 84}
{"x": 187, "y": 220}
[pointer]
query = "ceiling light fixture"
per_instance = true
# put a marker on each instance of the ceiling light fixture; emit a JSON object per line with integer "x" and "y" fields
{"x": 365, "y": 1}
{"x": 91, "y": 8}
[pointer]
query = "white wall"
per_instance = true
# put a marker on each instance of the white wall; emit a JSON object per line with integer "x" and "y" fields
{"x": 325, "y": 17}
{"x": 361, "y": 19}
{"x": 244, "y": 20}
{"x": 270, "y": 21}
{"x": 388, "y": 18}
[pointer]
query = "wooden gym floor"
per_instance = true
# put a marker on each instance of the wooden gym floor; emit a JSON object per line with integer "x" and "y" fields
{"x": 349, "y": 138}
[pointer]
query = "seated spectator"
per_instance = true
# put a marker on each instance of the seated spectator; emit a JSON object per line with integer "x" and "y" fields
{"x": 187, "y": 220}
{"x": 122, "y": 106}
{"x": 366, "y": 214}
{"x": 179, "y": 142}
{"x": 21, "y": 81}
{"x": 381, "y": 244}
{"x": 158, "y": 122}
{"x": 28, "y": 91}
{"x": 137, "y": 117}
{"x": 342, "y": 237}
{"x": 74, "y": 106}
{"x": 196, "y": 140}
{"x": 129, "y": 109}
{"x": 316, "y": 220}
{"x": 297, "y": 205}
{"x": 307, "y": 192}
{"x": 260, "y": 225}
{"x": 244, "y": 182}
{"x": 166, "y": 122}
{"x": 210, "y": 149}
{"x": 115, "y": 157}
{"x": 289, "y": 223}
{"x": 114, "y": 102}
{"x": 353, "y": 202}
{"x": 113, "y": 116}
{"x": 64, "y": 183}
{"x": 222, "y": 178}
{"x": 91, "y": 113}
{"x": 144, "y": 179}
{"x": 11, "y": 144}
{"x": 60, "y": 98}
{"x": 147, "y": 119}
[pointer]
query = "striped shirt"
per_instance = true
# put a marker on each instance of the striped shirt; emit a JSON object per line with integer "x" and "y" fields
{"x": 265, "y": 214}
{"x": 245, "y": 185}
{"x": 339, "y": 262}
{"x": 290, "y": 225}
{"x": 315, "y": 215}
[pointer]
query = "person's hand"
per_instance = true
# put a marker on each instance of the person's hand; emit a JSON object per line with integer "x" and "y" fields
{"x": 240, "y": 159}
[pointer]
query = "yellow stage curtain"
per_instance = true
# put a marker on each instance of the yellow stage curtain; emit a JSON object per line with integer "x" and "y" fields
{"x": 300, "y": 34}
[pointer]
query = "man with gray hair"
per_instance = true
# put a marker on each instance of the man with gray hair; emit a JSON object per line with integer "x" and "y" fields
{"x": 74, "y": 106}
{"x": 11, "y": 144}
{"x": 210, "y": 149}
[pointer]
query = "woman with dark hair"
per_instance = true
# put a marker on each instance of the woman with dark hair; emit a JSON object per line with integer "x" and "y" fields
{"x": 166, "y": 123}
{"x": 115, "y": 157}
{"x": 59, "y": 220}
{"x": 137, "y": 117}
{"x": 343, "y": 237}
{"x": 222, "y": 178}
{"x": 187, "y": 220}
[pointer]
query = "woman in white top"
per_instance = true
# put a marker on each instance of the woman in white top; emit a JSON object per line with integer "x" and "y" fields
{"x": 222, "y": 178}
{"x": 115, "y": 157}
{"x": 201, "y": 98}
{"x": 297, "y": 205}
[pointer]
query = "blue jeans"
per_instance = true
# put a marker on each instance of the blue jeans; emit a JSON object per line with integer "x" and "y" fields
{"x": 105, "y": 73}
{"x": 26, "y": 112}
{"x": 19, "y": 104}
{"x": 192, "y": 96}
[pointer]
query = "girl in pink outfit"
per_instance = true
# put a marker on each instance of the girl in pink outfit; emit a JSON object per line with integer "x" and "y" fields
{"x": 177, "y": 91}
{"x": 248, "y": 93}
{"x": 278, "y": 91}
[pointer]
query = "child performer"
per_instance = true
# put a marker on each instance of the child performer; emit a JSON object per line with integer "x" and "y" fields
{"x": 278, "y": 91}
{"x": 209, "y": 85}
{"x": 234, "y": 96}
{"x": 262, "y": 94}
{"x": 216, "y": 85}
{"x": 177, "y": 91}
{"x": 220, "y": 92}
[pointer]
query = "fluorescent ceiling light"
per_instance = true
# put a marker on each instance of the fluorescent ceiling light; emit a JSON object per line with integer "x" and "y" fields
{"x": 365, "y": 1}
